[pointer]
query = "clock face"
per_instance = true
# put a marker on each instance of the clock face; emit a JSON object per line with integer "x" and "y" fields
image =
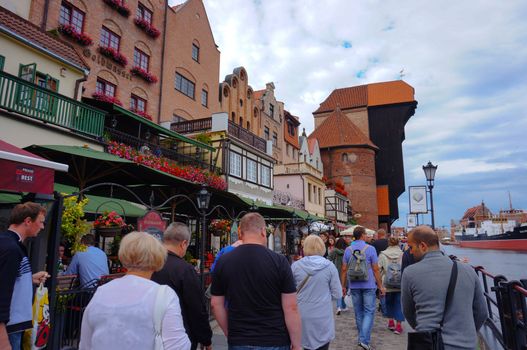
{"x": 352, "y": 157}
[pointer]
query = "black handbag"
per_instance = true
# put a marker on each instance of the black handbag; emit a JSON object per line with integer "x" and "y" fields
{"x": 433, "y": 340}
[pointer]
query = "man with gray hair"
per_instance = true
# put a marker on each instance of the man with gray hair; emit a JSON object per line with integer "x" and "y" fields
{"x": 182, "y": 277}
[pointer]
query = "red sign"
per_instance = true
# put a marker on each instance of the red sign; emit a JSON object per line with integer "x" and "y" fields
{"x": 22, "y": 177}
{"x": 152, "y": 223}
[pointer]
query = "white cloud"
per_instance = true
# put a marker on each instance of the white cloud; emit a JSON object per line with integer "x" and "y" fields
{"x": 461, "y": 167}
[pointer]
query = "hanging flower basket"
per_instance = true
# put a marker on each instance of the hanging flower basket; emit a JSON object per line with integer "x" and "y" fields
{"x": 105, "y": 98}
{"x": 219, "y": 227}
{"x": 114, "y": 55}
{"x": 109, "y": 224}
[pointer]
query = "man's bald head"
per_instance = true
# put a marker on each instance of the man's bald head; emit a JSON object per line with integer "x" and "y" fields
{"x": 424, "y": 234}
{"x": 252, "y": 223}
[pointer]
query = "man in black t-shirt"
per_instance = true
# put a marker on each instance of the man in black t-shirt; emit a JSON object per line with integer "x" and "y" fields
{"x": 260, "y": 292}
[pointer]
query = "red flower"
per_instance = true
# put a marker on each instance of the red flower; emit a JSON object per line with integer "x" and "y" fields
{"x": 70, "y": 31}
{"x": 147, "y": 27}
{"x": 149, "y": 77}
{"x": 106, "y": 98}
{"x": 114, "y": 55}
{"x": 119, "y": 6}
{"x": 142, "y": 114}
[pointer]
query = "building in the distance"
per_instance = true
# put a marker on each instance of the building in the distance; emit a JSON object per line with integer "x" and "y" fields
{"x": 370, "y": 145}
{"x": 271, "y": 120}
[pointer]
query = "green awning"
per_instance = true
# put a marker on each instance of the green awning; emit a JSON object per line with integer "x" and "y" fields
{"x": 85, "y": 152}
{"x": 161, "y": 130}
{"x": 98, "y": 204}
{"x": 10, "y": 198}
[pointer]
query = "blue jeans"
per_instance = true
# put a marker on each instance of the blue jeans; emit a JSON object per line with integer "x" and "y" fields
{"x": 341, "y": 304}
{"x": 364, "y": 301}
{"x": 382, "y": 303}
{"x": 256, "y": 347}
{"x": 393, "y": 306}
{"x": 16, "y": 340}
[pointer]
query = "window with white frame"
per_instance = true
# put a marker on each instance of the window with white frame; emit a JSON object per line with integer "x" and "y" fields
{"x": 252, "y": 174}
{"x": 235, "y": 168}
{"x": 266, "y": 176}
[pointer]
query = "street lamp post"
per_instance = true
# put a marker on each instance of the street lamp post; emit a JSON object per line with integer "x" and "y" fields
{"x": 430, "y": 172}
{"x": 203, "y": 200}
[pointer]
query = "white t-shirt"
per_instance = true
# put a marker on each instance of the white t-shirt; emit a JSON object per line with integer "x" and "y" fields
{"x": 121, "y": 316}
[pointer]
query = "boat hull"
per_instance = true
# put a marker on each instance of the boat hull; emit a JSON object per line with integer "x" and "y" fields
{"x": 501, "y": 244}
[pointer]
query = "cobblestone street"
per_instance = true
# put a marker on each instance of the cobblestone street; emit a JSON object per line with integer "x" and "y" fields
{"x": 346, "y": 335}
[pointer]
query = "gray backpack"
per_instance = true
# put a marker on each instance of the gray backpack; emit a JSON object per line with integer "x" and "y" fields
{"x": 357, "y": 266}
{"x": 392, "y": 279}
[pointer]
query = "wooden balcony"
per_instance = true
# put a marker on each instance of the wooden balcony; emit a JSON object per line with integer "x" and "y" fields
{"x": 30, "y": 100}
{"x": 234, "y": 130}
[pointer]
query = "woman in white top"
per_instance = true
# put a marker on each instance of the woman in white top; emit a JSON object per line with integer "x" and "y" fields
{"x": 121, "y": 312}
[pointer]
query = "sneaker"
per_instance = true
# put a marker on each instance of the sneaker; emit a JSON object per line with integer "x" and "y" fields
{"x": 391, "y": 325}
{"x": 338, "y": 311}
{"x": 398, "y": 329}
{"x": 364, "y": 346}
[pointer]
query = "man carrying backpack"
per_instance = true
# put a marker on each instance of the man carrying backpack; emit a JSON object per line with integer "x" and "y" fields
{"x": 390, "y": 267}
{"x": 360, "y": 274}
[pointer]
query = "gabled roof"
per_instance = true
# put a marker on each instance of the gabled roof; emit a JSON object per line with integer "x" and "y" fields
{"x": 293, "y": 118}
{"x": 376, "y": 94}
{"x": 479, "y": 210}
{"x": 338, "y": 130}
{"x": 311, "y": 145}
{"x": 22, "y": 30}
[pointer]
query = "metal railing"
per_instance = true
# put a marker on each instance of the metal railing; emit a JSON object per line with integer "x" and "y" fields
{"x": 506, "y": 305}
{"x": 190, "y": 126}
{"x": 180, "y": 152}
{"x": 247, "y": 136}
{"x": 20, "y": 96}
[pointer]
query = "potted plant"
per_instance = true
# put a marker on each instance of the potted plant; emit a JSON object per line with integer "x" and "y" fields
{"x": 109, "y": 224}
{"x": 219, "y": 227}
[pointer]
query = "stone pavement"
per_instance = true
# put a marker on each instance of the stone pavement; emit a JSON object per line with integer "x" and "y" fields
{"x": 346, "y": 334}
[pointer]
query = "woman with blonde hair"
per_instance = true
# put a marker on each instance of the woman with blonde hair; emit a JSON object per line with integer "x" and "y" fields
{"x": 317, "y": 282}
{"x": 391, "y": 259}
{"x": 133, "y": 312}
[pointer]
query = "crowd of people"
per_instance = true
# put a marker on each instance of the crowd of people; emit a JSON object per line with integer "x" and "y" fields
{"x": 259, "y": 299}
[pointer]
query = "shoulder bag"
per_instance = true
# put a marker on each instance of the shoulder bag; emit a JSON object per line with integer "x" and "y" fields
{"x": 163, "y": 300}
{"x": 433, "y": 340}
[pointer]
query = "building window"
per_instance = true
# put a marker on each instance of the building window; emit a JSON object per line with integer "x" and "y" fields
{"x": 185, "y": 86}
{"x": 137, "y": 104}
{"x": 233, "y": 117}
{"x": 309, "y": 192}
{"x": 319, "y": 196}
{"x": 290, "y": 128}
{"x": 70, "y": 15}
{"x": 144, "y": 13}
{"x": 177, "y": 118}
{"x": 204, "y": 98}
{"x": 252, "y": 174}
{"x": 110, "y": 39}
{"x": 271, "y": 110}
{"x": 275, "y": 139}
{"x": 266, "y": 176}
{"x": 195, "y": 52}
{"x": 346, "y": 180}
{"x": 141, "y": 59}
{"x": 241, "y": 122}
{"x": 266, "y": 133}
{"x": 287, "y": 148}
{"x": 344, "y": 157}
{"x": 235, "y": 168}
{"x": 104, "y": 87}
{"x": 248, "y": 126}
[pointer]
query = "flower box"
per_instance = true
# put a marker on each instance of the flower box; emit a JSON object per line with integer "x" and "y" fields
{"x": 108, "y": 231}
{"x": 220, "y": 227}
{"x": 109, "y": 224}
{"x": 69, "y": 30}
{"x": 142, "y": 114}
{"x": 114, "y": 55}
{"x": 119, "y": 7}
{"x": 147, "y": 76}
{"x": 147, "y": 27}
{"x": 105, "y": 98}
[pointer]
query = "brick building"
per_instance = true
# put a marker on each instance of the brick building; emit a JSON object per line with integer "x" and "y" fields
{"x": 380, "y": 112}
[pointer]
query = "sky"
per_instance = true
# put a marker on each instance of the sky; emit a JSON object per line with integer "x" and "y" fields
{"x": 467, "y": 61}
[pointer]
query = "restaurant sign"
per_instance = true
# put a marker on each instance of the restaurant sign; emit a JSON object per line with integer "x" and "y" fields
{"x": 22, "y": 177}
{"x": 107, "y": 62}
{"x": 153, "y": 223}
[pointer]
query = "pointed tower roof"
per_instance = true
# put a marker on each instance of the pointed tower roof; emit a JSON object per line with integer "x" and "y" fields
{"x": 338, "y": 130}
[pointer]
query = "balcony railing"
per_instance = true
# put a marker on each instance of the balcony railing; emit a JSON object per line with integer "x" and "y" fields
{"x": 205, "y": 124}
{"x": 247, "y": 137}
{"x": 20, "y": 96}
{"x": 297, "y": 168}
{"x": 180, "y": 152}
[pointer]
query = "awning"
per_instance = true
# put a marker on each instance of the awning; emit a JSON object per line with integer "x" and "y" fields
{"x": 98, "y": 204}
{"x": 23, "y": 171}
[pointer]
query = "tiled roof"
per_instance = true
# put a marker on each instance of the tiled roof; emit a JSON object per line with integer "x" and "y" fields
{"x": 13, "y": 23}
{"x": 293, "y": 118}
{"x": 480, "y": 210}
{"x": 311, "y": 142}
{"x": 375, "y": 94}
{"x": 258, "y": 94}
{"x": 338, "y": 130}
